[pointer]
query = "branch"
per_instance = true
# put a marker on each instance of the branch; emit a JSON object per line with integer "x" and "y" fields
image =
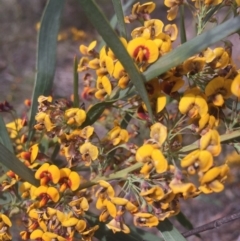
{"x": 212, "y": 225}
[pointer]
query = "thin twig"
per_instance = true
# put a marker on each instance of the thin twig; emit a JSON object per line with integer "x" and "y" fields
{"x": 212, "y": 225}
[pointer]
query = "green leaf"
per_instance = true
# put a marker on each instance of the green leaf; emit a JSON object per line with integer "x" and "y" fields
{"x": 9, "y": 160}
{"x": 169, "y": 232}
{"x": 46, "y": 55}
{"x": 183, "y": 220}
{"x": 75, "y": 83}
{"x": 4, "y": 136}
{"x": 193, "y": 46}
{"x": 95, "y": 112}
{"x": 126, "y": 119}
{"x": 183, "y": 36}
{"x": 112, "y": 40}
{"x": 120, "y": 18}
{"x": 114, "y": 19}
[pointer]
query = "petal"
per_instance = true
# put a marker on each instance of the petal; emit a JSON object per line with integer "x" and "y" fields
{"x": 42, "y": 169}
{"x": 216, "y": 186}
{"x": 134, "y": 44}
{"x": 159, "y": 160}
{"x": 206, "y": 160}
{"x": 74, "y": 179}
{"x": 144, "y": 152}
{"x": 6, "y": 220}
{"x": 40, "y": 190}
{"x": 205, "y": 140}
{"x": 34, "y": 152}
{"x": 202, "y": 105}
{"x": 53, "y": 194}
{"x": 235, "y": 86}
{"x": 158, "y": 132}
{"x": 70, "y": 222}
{"x": 111, "y": 209}
{"x": 172, "y": 31}
{"x": 36, "y": 234}
{"x": 214, "y": 85}
{"x": 55, "y": 173}
{"x": 161, "y": 102}
{"x": 172, "y": 13}
{"x": 119, "y": 201}
{"x": 190, "y": 159}
{"x": 152, "y": 52}
{"x": 64, "y": 172}
{"x": 106, "y": 84}
{"x": 80, "y": 116}
{"x": 81, "y": 226}
{"x": 185, "y": 103}
{"x": 210, "y": 175}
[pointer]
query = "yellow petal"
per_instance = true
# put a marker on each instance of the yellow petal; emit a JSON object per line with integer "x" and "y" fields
{"x": 55, "y": 173}
{"x": 161, "y": 102}
{"x": 111, "y": 209}
{"x": 106, "y": 85}
{"x": 6, "y": 220}
{"x": 36, "y": 234}
{"x": 235, "y": 86}
{"x": 74, "y": 180}
{"x": 185, "y": 102}
{"x": 53, "y": 194}
{"x": 144, "y": 152}
{"x": 42, "y": 169}
{"x": 70, "y": 222}
{"x": 159, "y": 160}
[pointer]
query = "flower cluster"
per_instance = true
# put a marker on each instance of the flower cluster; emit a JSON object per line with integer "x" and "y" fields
{"x": 142, "y": 168}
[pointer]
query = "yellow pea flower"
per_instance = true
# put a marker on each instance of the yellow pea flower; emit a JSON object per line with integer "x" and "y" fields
{"x": 75, "y": 116}
{"x": 118, "y": 136}
{"x": 158, "y": 132}
{"x": 143, "y": 50}
{"x": 89, "y": 153}
{"x": 187, "y": 190}
{"x": 211, "y": 141}
{"x": 117, "y": 225}
{"x": 218, "y": 89}
{"x": 193, "y": 105}
{"x": 148, "y": 154}
{"x": 212, "y": 181}
{"x": 45, "y": 194}
{"x": 142, "y": 219}
{"x": 68, "y": 179}
{"x": 47, "y": 173}
{"x": 197, "y": 161}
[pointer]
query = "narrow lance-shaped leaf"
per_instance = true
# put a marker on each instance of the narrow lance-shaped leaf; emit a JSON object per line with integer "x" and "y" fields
{"x": 183, "y": 36}
{"x": 46, "y": 54}
{"x": 9, "y": 160}
{"x": 4, "y": 136}
{"x": 114, "y": 19}
{"x": 169, "y": 232}
{"x": 183, "y": 220}
{"x": 120, "y": 18}
{"x": 193, "y": 46}
{"x": 112, "y": 40}
{"x": 95, "y": 112}
{"x": 75, "y": 83}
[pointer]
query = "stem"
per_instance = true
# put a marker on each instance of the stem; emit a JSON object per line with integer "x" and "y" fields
{"x": 212, "y": 225}
{"x": 223, "y": 138}
{"x": 113, "y": 176}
